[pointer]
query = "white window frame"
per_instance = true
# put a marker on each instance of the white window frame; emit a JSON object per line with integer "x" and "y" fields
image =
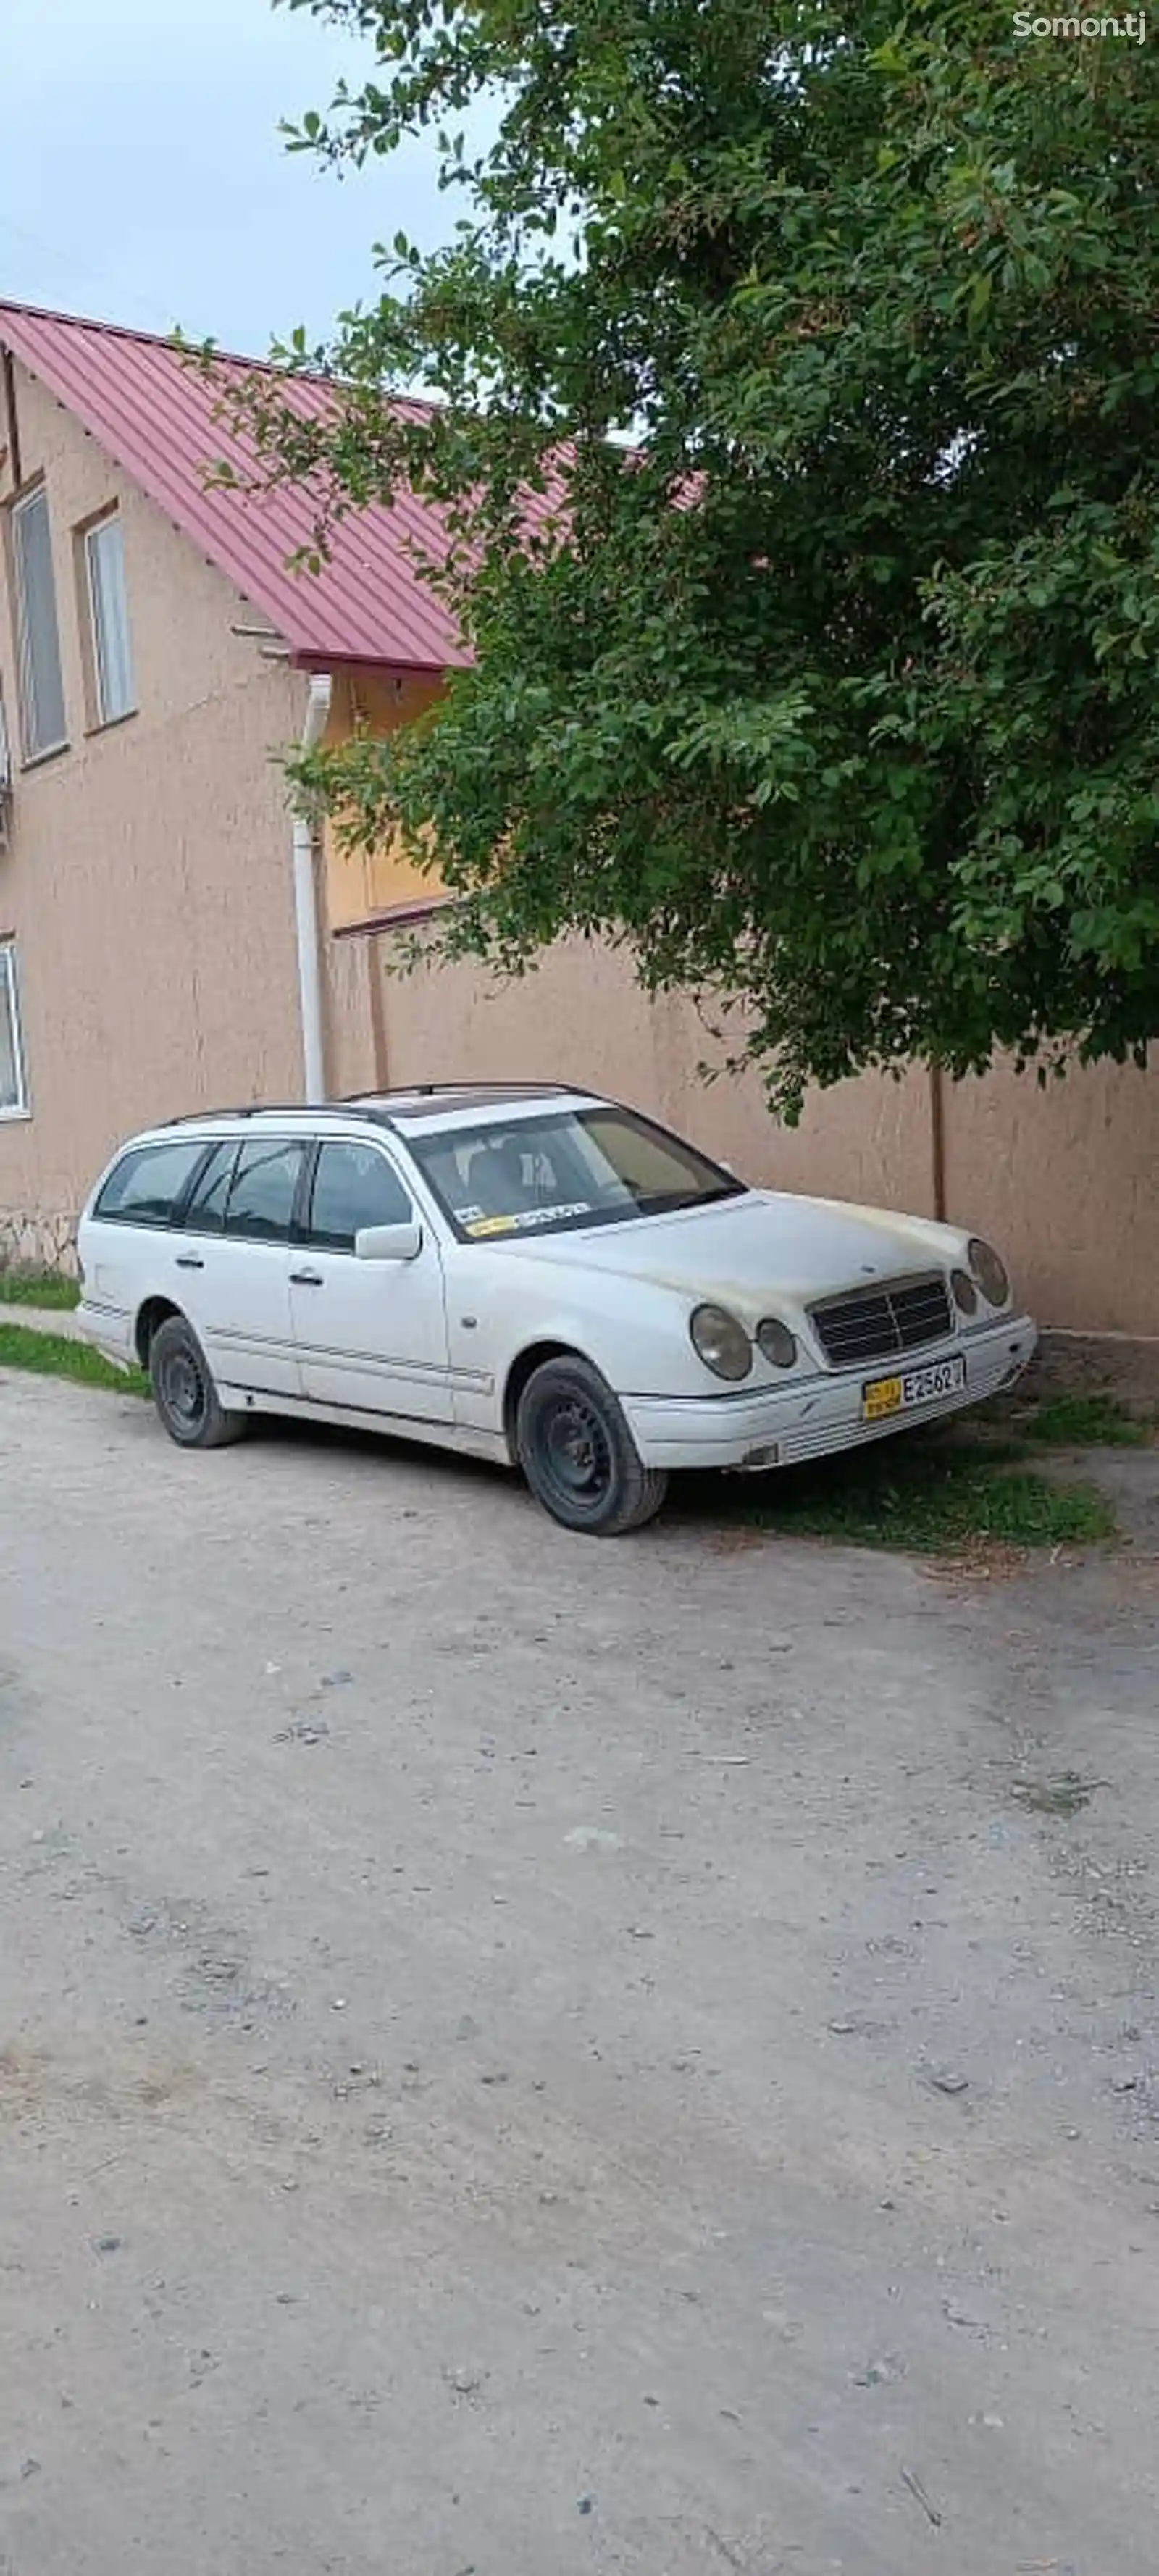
{"x": 105, "y": 713}
{"x": 34, "y": 751}
{"x": 10, "y": 1005}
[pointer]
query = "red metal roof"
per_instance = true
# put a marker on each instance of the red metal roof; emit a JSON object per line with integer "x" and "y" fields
{"x": 155, "y": 415}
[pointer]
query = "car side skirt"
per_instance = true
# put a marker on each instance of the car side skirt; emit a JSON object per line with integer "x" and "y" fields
{"x": 465, "y": 1437}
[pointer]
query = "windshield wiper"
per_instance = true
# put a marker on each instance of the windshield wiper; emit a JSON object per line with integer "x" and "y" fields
{"x": 667, "y": 1202}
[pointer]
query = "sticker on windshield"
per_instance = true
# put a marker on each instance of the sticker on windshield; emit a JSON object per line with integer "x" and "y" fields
{"x": 555, "y": 1215}
{"x": 527, "y": 1218}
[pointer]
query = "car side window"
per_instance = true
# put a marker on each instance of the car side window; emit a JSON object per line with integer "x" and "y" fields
{"x": 148, "y": 1183}
{"x": 205, "y": 1213}
{"x": 265, "y": 1182}
{"x": 354, "y": 1186}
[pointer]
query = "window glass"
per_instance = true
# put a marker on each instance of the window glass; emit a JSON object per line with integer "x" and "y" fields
{"x": 112, "y": 657}
{"x": 565, "y": 1170}
{"x": 147, "y": 1184}
{"x": 205, "y": 1213}
{"x": 647, "y": 1163}
{"x": 41, "y": 683}
{"x": 261, "y": 1201}
{"x": 12, "y": 1097}
{"x": 354, "y": 1186}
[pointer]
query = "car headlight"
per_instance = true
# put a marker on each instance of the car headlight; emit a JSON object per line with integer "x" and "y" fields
{"x": 965, "y": 1293}
{"x": 777, "y": 1342}
{"x": 989, "y": 1271}
{"x": 721, "y": 1342}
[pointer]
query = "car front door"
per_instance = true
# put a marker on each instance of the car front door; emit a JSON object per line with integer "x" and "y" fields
{"x": 371, "y": 1335}
{"x": 232, "y": 1259}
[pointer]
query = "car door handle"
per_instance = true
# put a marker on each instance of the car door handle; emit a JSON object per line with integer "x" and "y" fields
{"x": 190, "y": 1261}
{"x": 306, "y": 1279}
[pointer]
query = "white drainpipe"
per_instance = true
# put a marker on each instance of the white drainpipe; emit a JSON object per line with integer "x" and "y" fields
{"x": 306, "y": 908}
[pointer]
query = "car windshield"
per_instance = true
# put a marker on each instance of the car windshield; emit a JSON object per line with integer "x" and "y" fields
{"x": 564, "y": 1171}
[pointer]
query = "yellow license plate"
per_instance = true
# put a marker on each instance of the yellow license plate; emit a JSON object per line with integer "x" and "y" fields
{"x": 882, "y": 1396}
{"x": 932, "y": 1382}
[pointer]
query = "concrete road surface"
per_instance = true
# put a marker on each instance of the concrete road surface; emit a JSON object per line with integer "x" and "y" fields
{"x": 542, "y": 2058}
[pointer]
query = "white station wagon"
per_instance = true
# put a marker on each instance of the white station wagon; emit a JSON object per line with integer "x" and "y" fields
{"x": 535, "y": 1275}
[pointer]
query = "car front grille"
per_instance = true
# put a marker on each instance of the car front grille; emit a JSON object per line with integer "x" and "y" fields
{"x": 879, "y": 1323}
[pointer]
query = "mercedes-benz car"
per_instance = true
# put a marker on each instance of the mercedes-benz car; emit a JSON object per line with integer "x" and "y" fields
{"x": 533, "y": 1274}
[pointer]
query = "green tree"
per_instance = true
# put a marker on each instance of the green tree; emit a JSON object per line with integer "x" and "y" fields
{"x": 823, "y": 676}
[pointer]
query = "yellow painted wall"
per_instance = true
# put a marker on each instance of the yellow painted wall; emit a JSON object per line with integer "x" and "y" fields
{"x": 361, "y": 883}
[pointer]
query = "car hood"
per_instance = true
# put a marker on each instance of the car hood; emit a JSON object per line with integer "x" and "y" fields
{"x": 749, "y": 1250}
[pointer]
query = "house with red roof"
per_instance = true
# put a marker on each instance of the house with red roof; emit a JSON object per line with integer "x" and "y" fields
{"x": 172, "y": 939}
{"x": 165, "y": 942}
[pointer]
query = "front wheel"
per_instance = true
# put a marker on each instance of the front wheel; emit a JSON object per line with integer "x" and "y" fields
{"x": 184, "y": 1393}
{"x": 578, "y": 1454}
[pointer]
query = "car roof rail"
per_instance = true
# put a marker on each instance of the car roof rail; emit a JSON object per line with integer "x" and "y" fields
{"x": 366, "y": 1104}
{"x": 269, "y": 1109}
{"x": 476, "y": 1082}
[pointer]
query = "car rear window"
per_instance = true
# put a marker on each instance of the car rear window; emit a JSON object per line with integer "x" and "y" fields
{"x": 149, "y": 1182}
{"x": 205, "y": 1213}
{"x": 265, "y": 1184}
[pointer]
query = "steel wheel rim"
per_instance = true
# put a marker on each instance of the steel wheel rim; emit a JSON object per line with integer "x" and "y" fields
{"x": 183, "y": 1390}
{"x": 576, "y": 1452}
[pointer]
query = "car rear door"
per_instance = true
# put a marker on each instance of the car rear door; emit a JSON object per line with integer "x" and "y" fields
{"x": 371, "y": 1336}
{"x": 231, "y": 1261}
{"x": 127, "y": 1242}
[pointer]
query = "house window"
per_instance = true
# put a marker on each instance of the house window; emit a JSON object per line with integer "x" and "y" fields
{"x": 38, "y": 635}
{"x": 13, "y": 1091}
{"x": 113, "y": 686}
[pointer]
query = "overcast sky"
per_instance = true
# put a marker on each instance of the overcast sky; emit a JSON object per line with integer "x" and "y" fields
{"x": 143, "y": 180}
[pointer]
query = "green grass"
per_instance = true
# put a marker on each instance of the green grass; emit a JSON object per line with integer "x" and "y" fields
{"x": 1085, "y": 1422}
{"x": 51, "y": 1355}
{"x": 931, "y": 1497}
{"x": 38, "y": 1288}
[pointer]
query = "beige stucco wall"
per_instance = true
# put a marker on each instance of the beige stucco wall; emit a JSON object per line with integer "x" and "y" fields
{"x": 148, "y": 882}
{"x": 1065, "y": 1180}
{"x": 1068, "y": 1180}
{"x": 581, "y": 1018}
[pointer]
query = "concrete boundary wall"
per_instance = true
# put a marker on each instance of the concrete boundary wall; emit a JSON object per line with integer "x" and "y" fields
{"x": 1064, "y": 1179}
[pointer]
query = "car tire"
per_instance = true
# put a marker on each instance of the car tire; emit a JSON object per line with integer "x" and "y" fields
{"x": 186, "y": 1398}
{"x": 578, "y": 1454}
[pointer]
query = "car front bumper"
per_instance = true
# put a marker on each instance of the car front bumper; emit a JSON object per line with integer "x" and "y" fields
{"x": 813, "y": 1416}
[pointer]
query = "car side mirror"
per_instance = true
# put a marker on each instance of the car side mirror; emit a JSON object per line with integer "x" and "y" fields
{"x": 389, "y": 1242}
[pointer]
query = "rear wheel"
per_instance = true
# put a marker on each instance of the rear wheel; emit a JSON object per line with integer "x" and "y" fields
{"x": 578, "y": 1454}
{"x": 184, "y": 1393}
